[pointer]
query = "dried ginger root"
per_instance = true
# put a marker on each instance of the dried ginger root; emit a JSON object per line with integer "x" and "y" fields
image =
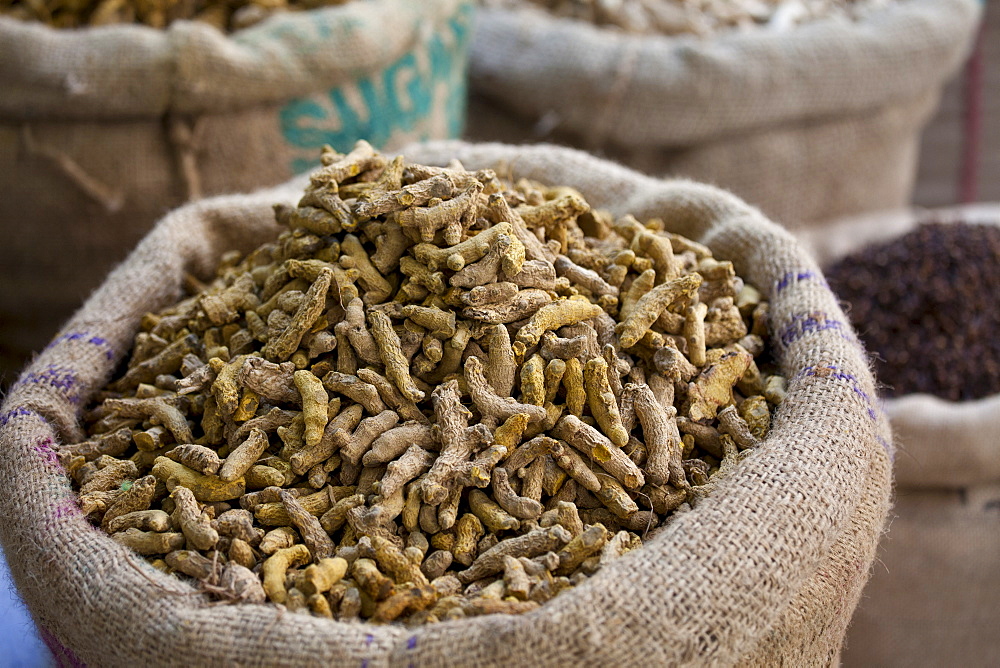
{"x": 447, "y": 449}
{"x": 226, "y": 16}
{"x": 699, "y": 17}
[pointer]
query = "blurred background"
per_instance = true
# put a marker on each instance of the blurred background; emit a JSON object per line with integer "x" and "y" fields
{"x": 934, "y": 597}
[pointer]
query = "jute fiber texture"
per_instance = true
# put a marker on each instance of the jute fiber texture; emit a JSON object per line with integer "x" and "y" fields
{"x": 105, "y": 130}
{"x": 766, "y": 570}
{"x": 936, "y": 601}
{"x": 810, "y": 124}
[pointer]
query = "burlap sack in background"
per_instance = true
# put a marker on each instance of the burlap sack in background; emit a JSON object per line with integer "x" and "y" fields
{"x": 811, "y": 124}
{"x": 766, "y": 570}
{"x": 104, "y": 130}
{"x": 934, "y": 600}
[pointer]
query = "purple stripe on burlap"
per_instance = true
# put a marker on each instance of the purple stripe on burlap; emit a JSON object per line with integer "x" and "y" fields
{"x": 45, "y": 451}
{"x": 803, "y": 324}
{"x": 16, "y": 413}
{"x": 87, "y": 338}
{"x": 831, "y": 371}
{"x": 411, "y": 644}
{"x": 62, "y": 654}
{"x": 794, "y": 277}
{"x": 873, "y": 406}
{"x": 63, "y": 379}
{"x": 68, "y": 507}
{"x": 368, "y": 642}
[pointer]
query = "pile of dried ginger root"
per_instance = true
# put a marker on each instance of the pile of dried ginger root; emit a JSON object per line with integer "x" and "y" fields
{"x": 436, "y": 395}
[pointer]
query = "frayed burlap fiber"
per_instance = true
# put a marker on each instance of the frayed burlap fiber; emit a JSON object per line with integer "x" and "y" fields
{"x": 766, "y": 570}
{"x": 809, "y": 124}
{"x": 105, "y": 130}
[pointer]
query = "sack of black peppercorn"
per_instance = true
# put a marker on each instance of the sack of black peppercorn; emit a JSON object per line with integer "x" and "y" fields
{"x": 922, "y": 290}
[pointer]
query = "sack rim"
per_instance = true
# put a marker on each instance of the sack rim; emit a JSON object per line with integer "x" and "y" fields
{"x": 691, "y": 77}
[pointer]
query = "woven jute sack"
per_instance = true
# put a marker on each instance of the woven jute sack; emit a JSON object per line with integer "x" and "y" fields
{"x": 936, "y": 602}
{"x": 105, "y": 130}
{"x": 810, "y": 124}
{"x": 765, "y": 570}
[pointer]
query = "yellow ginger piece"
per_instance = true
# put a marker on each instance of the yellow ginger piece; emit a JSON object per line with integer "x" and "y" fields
{"x": 568, "y": 460}
{"x": 614, "y": 497}
{"x": 661, "y": 436}
{"x": 493, "y": 517}
{"x": 457, "y": 442}
{"x": 468, "y": 530}
{"x": 451, "y": 216}
{"x": 554, "y": 372}
{"x": 583, "y": 545}
{"x": 315, "y": 538}
{"x": 335, "y": 435}
{"x": 649, "y": 307}
{"x": 280, "y": 348}
{"x": 394, "y": 562}
{"x": 196, "y": 457}
{"x": 206, "y": 489}
{"x": 600, "y": 449}
{"x": 157, "y": 409}
{"x": 602, "y": 401}
{"x": 394, "y": 442}
{"x": 274, "y": 513}
{"x": 529, "y": 545}
{"x": 732, "y": 423}
{"x": 755, "y": 413}
{"x": 144, "y": 520}
{"x": 694, "y": 333}
{"x": 521, "y": 507}
{"x": 244, "y": 456}
{"x": 249, "y": 401}
{"x": 319, "y": 578}
{"x": 397, "y": 367}
{"x": 314, "y": 405}
{"x": 276, "y": 566}
{"x": 150, "y": 542}
{"x": 555, "y": 315}
{"x": 713, "y": 388}
{"x": 370, "y": 579}
{"x": 195, "y": 524}
{"x": 362, "y": 158}
{"x": 509, "y": 433}
{"x": 491, "y": 405}
{"x": 377, "y": 288}
{"x": 474, "y": 248}
{"x": 573, "y": 381}
{"x": 533, "y": 381}
{"x": 133, "y": 500}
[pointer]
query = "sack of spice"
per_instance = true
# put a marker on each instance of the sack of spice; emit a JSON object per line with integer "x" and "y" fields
{"x": 921, "y": 289}
{"x": 741, "y": 575}
{"x": 816, "y": 121}
{"x": 105, "y": 129}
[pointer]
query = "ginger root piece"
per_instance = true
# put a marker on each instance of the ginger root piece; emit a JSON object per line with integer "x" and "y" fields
{"x": 275, "y": 567}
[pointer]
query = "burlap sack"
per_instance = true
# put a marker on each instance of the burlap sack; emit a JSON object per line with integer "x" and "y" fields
{"x": 811, "y": 124}
{"x": 766, "y": 570}
{"x": 936, "y": 602}
{"x": 104, "y": 130}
